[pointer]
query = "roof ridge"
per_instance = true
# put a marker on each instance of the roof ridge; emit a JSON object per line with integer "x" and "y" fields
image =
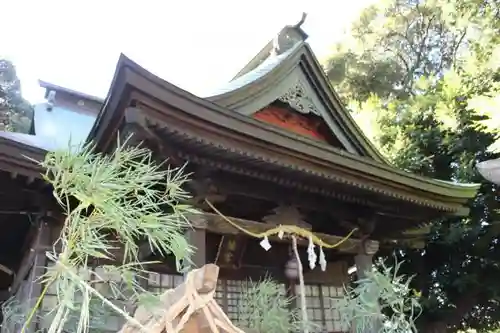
{"x": 288, "y": 36}
{"x": 52, "y": 86}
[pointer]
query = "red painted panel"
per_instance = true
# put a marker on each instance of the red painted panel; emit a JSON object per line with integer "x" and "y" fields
{"x": 292, "y": 121}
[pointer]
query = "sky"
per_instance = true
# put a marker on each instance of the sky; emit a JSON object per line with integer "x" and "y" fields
{"x": 197, "y": 45}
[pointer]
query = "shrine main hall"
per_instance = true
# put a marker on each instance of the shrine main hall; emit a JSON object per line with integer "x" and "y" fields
{"x": 274, "y": 146}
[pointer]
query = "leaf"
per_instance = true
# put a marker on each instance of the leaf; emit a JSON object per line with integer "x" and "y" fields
{"x": 126, "y": 194}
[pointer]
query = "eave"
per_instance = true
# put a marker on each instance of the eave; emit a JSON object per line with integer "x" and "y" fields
{"x": 18, "y": 156}
{"x": 180, "y": 111}
{"x": 50, "y": 86}
{"x": 304, "y": 173}
{"x": 302, "y": 57}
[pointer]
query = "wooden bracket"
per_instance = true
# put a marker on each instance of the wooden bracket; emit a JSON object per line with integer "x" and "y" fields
{"x": 205, "y": 188}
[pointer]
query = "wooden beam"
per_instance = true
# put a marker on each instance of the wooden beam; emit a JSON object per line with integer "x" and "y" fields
{"x": 338, "y": 208}
{"x": 27, "y": 202}
{"x": 217, "y": 224}
{"x": 15, "y": 182}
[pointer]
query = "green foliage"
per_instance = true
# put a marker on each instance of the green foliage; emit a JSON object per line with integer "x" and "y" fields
{"x": 265, "y": 308}
{"x": 423, "y": 78}
{"x": 382, "y": 298}
{"x": 13, "y": 313}
{"x": 112, "y": 203}
{"x": 488, "y": 106}
{"x": 387, "y": 47}
{"x": 16, "y": 113}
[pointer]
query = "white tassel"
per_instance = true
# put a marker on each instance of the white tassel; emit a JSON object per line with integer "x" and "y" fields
{"x": 265, "y": 244}
{"x": 311, "y": 255}
{"x": 281, "y": 234}
{"x": 322, "y": 259}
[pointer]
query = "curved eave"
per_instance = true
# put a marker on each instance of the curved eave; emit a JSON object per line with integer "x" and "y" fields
{"x": 19, "y": 154}
{"x": 310, "y": 176}
{"x": 301, "y": 56}
{"x": 173, "y": 105}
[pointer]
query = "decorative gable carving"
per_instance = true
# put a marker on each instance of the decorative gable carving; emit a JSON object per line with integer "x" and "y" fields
{"x": 286, "y": 215}
{"x": 298, "y": 99}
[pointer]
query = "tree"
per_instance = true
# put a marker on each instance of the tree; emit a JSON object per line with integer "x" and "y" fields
{"x": 420, "y": 76}
{"x": 393, "y": 44}
{"x": 16, "y": 113}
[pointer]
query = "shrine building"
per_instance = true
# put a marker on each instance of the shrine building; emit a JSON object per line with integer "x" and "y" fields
{"x": 275, "y": 145}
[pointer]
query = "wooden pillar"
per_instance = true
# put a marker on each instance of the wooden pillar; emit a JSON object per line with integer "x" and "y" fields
{"x": 364, "y": 263}
{"x": 364, "y": 258}
{"x": 26, "y": 285}
{"x": 197, "y": 239}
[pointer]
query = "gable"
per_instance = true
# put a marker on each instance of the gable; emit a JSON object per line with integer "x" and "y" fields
{"x": 308, "y": 125}
{"x": 295, "y": 122}
{"x": 295, "y": 79}
{"x": 301, "y": 98}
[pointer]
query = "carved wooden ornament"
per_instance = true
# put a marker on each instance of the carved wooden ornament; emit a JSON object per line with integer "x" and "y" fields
{"x": 287, "y": 215}
{"x": 299, "y": 100}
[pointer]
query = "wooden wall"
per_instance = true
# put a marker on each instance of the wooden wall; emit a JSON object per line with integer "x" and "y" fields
{"x": 292, "y": 121}
{"x": 77, "y": 104}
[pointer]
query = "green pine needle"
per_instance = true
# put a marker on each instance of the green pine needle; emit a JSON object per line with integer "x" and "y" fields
{"x": 264, "y": 308}
{"x": 121, "y": 199}
{"x": 382, "y": 301}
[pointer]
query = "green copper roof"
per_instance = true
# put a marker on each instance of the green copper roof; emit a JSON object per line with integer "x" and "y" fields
{"x": 266, "y": 72}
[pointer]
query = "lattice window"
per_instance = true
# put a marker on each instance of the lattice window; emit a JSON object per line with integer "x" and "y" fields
{"x": 331, "y": 296}
{"x": 159, "y": 283}
{"x": 229, "y": 295}
{"x": 314, "y": 304}
{"x": 228, "y": 292}
{"x": 219, "y": 295}
{"x": 322, "y": 310}
{"x": 234, "y": 290}
{"x": 109, "y": 284}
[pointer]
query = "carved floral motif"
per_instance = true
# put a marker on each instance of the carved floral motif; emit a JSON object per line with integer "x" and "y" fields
{"x": 298, "y": 99}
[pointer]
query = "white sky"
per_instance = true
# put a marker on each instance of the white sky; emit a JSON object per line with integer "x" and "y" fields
{"x": 194, "y": 44}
